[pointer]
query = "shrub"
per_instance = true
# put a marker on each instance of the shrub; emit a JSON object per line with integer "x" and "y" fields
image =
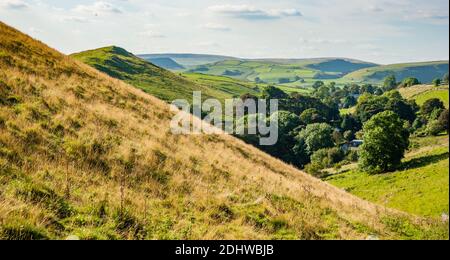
{"x": 325, "y": 158}
{"x": 430, "y": 105}
{"x": 434, "y": 128}
{"x": 314, "y": 169}
{"x": 443, "y": 119}
{"x": 352, "y": 156}
{"x": 2, "y": 122}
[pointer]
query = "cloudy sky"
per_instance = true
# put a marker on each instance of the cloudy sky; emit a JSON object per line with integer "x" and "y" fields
{"x": 382, "y": 31}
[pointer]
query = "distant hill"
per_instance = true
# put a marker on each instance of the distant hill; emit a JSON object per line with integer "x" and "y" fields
{"x": 424, "y": 71}
{"x": 166, "y": 63}
{"x": 283, "y": 71}
{"x": 121, "y": 64}
{"x": 88, "y": 156}
{"x": 187, "y": 60}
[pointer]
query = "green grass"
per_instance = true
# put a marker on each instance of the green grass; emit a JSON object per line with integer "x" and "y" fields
{"x": 424, "y": 71}
{"x": 282, "y": 72}
{"x": 229, "y": 86}
{"x": 440, "y": 94}
{"x": 422, "y": 93}
{"x": 420, "y": 188}
{"x": 168, "y": 86}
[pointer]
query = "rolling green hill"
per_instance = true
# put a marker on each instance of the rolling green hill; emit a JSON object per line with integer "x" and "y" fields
{"x": 83, "y": 154}
{"x": 292, "y": 73}
{"x": 424, "y": 71}
{"x": 120, "y": 64}
{"x": 187, "y": 60}
{"x": 166, "y": 63}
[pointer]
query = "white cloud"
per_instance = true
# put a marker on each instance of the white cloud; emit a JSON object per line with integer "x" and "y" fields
{"x": 98, "y": 8}
{"x": 152, "y": 34}
{"x": 251, "y": 12}
{"x": 216, "y": 27}
{"x": 321, "y": 41}
{"x": 14, "y": 4}
{"x": 77, "y": 19}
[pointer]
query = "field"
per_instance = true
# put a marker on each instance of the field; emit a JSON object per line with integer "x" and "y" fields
{"x": 422, "y": 93}
{"x": 233, "y": 87}
{"x": 421, "y": 188}
{"x": 424, "y": 71}
{"x": 288, "y": 73}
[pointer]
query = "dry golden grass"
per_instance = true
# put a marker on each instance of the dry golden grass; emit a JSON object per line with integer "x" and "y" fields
{"x": 84, "y": 154}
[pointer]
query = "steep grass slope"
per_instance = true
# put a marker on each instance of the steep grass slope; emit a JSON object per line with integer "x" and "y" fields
{"x": 84, "y": 154}
{"x": 424, "y": 71}
{"x": 119, "y": 63}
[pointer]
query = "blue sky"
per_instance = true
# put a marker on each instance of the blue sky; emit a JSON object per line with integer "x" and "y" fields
{"x": 382, "y": 31}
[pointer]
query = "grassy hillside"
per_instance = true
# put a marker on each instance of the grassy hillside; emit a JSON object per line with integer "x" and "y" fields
{"x": 293, "y": 72}
{"x": 84, "y": 154}
{"x": 187, "y": 60}
{"x": 424, "y": 71}
{"x": 225, "y": 84}
{"x": 422, "y": 93}
{"x": 420, "y": 188}
{"x": 120, "y": 64}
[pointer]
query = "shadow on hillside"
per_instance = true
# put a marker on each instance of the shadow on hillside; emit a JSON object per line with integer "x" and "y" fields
{"x": 424, "y": 161}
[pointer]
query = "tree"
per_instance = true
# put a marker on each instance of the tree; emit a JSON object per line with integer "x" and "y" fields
{"x": 402, "y": 108}
{"x": 385, "y": 143}
{"x": 350, "y": 123}
{"x": 443, "y": 120}
{"x": 311, "y": 116}
{"x": 445, "y": 79}
{"x": 287, "y": 123}
{"x": 430, "y": 105}
{"x": 349, "y": 101}
{"x": 316, "y": 136}
{"x": 437, "y": 82}
{"x": 327, "y": 157}
{"x": 272, "y": 92}
{"x": 318, "y": 84}
{"x": 390, "y": 83}
{"x": 370, "y": 105}
{"x": 434, "y": 128}
{"x": 409, "y": 82}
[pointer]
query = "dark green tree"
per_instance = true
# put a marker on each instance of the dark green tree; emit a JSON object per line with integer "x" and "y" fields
{"x": 430, "y": 105}
{"x": 437, "y": 82}
{"x": 390, "y": 83}
{"x": 385, "y": 143}
{"x": 272, "y": 92}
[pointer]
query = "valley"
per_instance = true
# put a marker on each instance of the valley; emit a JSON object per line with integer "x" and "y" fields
{"x": 86, "y": 150}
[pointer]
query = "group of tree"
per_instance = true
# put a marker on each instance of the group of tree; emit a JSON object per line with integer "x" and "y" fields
{"x": 390, "y": 82}
{"x": 312, "y": 131}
